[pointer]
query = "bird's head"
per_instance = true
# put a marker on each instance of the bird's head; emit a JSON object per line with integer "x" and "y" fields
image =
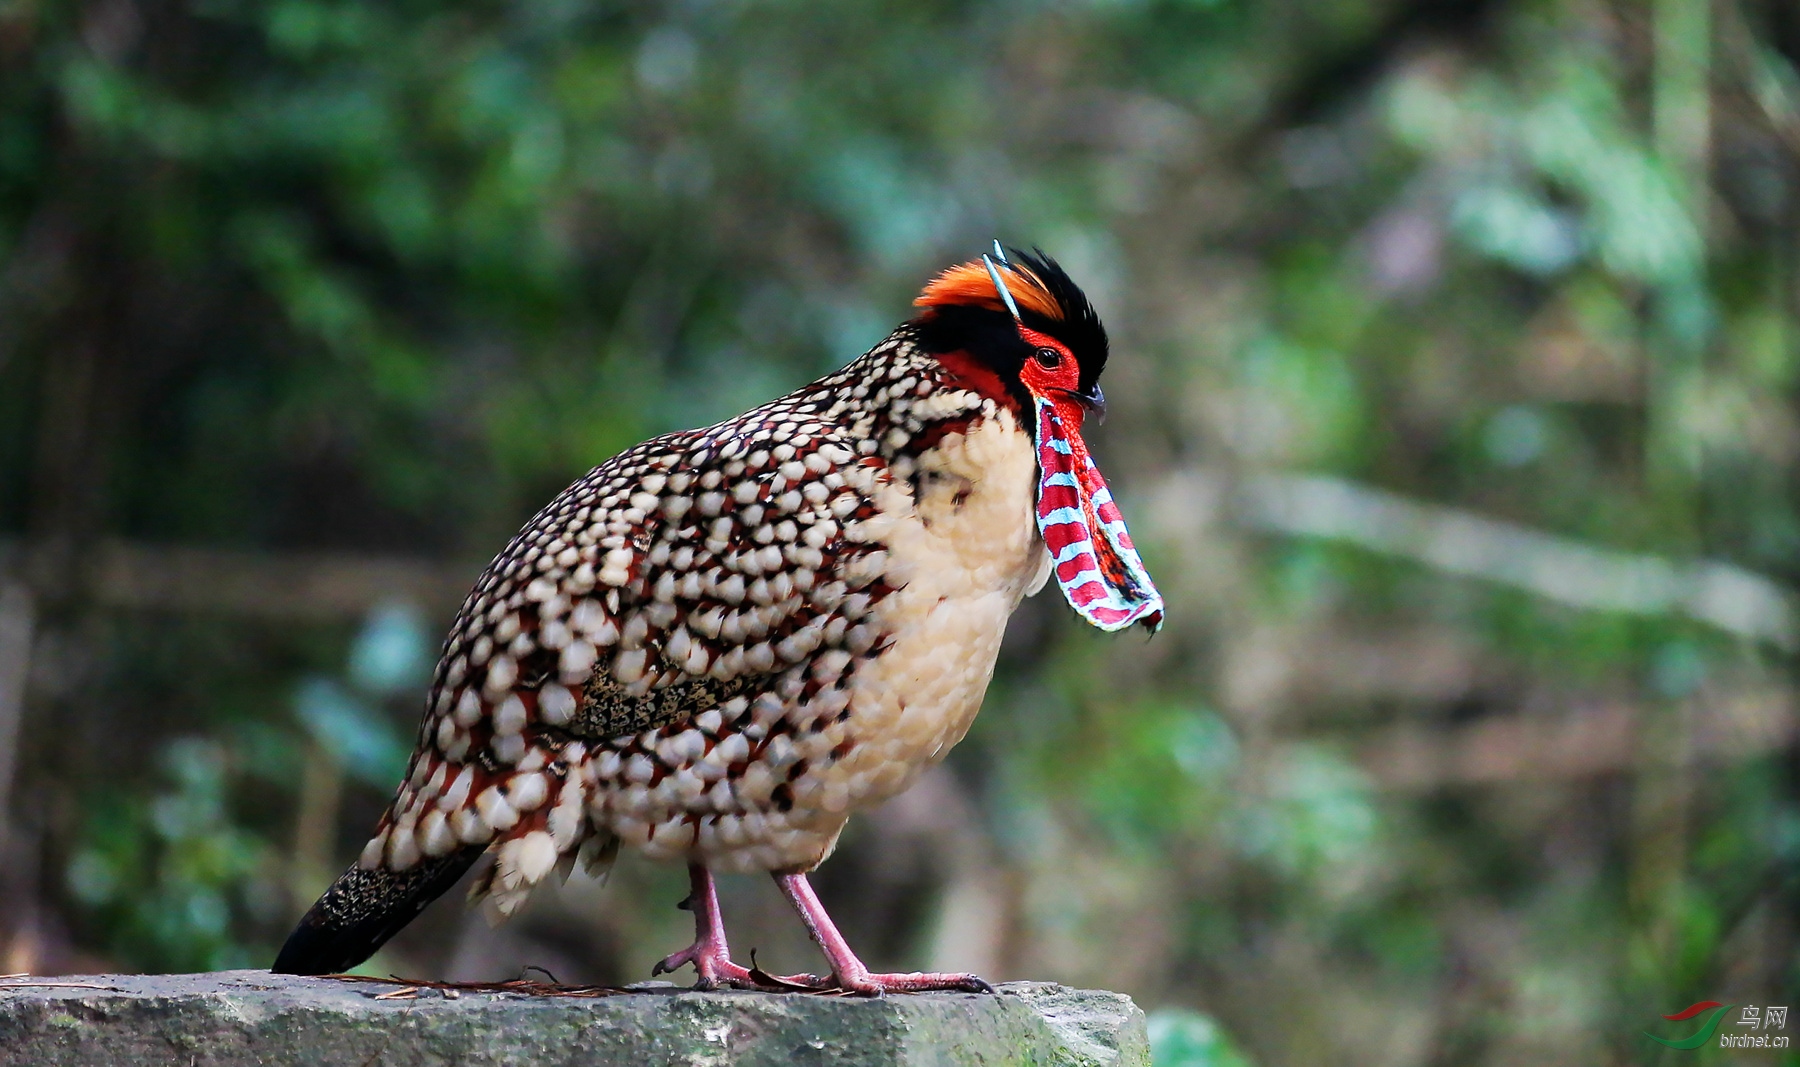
{"x": 1018, "y": 329}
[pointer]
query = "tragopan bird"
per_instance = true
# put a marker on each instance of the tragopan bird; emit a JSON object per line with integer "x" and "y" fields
{"x": 720, "y": 643}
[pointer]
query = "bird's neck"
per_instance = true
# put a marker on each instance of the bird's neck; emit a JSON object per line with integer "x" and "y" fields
{"x": 900, "y": 399}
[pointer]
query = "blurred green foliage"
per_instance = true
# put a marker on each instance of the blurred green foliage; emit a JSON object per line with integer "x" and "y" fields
{"x": 161, "y": 878}
{"x": 380, "y": 279}
{"x": 1181, "y": 1038}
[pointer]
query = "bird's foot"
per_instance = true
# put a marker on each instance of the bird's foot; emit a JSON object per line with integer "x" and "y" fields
{"x": 711, "y": 963}
{"x": 866, "y": 984}
{"x": 716, "y": 971}
{"x": 710, "y": 953}
{"x": 848, "y": 974}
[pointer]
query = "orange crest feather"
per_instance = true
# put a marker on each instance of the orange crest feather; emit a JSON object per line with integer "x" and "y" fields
{"x": 968, "y": 283}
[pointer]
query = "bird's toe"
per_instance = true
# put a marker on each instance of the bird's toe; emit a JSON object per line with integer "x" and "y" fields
{"x": 875, "y": 985}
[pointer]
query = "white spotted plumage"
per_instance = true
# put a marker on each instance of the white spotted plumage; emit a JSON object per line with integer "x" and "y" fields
{"x": 717, "y": 644}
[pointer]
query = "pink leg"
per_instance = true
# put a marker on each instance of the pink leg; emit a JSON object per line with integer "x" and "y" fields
{"x": 709, "y": 953}
{"x": 846, "y": 969}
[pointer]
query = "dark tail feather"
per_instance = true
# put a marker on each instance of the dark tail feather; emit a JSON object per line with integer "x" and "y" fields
{"x": 363, "y": 908}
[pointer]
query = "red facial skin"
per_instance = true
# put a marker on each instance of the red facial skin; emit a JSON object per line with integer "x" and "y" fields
{"x": 1051, "y": 373}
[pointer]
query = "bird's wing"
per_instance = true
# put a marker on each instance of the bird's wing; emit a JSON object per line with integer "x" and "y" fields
{"x": 674, "y": 576}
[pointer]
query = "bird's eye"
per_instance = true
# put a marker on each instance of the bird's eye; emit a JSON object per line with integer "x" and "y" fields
{"x": 1049, "y": 358}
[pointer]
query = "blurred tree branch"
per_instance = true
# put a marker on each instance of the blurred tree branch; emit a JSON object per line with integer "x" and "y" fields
{"x": 300, "y": 586}
{"x": 18, "y": 898}
{"x": 1572, "y": 742}
{"x": 1458, "y": 541}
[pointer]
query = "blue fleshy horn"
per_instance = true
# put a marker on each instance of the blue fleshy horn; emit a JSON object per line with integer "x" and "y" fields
{"x": 1005, "y": 293}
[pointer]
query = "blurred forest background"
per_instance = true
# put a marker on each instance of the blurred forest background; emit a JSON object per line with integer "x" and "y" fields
{"x": 1457, "y": 345}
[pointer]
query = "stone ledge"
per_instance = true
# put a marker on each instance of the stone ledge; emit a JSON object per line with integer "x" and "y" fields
{"x": 238, "y": 1018}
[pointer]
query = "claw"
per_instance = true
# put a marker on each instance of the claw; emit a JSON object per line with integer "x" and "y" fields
{"x": 674, "y": 961}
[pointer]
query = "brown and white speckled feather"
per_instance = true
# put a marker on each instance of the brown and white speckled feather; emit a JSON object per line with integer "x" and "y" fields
{"x": 720, "y": 642}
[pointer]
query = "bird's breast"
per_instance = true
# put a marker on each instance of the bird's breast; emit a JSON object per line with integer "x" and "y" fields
{"x": 963, "y": 551}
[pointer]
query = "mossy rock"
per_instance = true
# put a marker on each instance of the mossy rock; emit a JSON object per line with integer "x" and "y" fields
{"x": 252, "y": 1017}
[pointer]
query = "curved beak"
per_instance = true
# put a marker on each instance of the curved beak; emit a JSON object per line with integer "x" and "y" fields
{"x": 1079, "y": 408}
{"x": 1095, "y": 401}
